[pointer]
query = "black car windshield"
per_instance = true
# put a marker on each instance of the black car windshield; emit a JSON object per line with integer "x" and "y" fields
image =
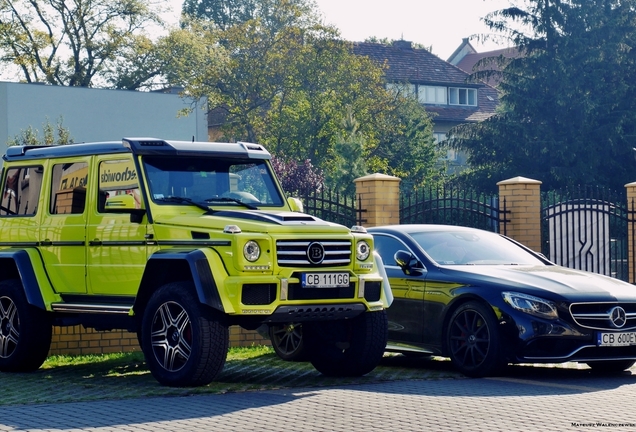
{"x": 472, "y": 247}
{"x": 247, "y": 183}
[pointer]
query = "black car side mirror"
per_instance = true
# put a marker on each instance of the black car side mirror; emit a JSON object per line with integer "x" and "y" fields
{"x": 408, "y": 263}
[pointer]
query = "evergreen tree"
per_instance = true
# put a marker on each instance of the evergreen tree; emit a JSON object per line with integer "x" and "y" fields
{"x": 568, "y": 114}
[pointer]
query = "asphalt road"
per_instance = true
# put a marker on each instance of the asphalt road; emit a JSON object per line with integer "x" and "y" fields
{"x": 526, "y": 398}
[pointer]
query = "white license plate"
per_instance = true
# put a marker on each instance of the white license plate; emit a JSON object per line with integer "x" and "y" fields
{"x": 325, "y": 280}
{"x": 616, "y": 339}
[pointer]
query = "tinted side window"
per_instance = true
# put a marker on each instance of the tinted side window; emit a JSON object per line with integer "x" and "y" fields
{"x": 387, "y": 247}
{"x": 68, "y": 191}
{"x": 21, "y": 191}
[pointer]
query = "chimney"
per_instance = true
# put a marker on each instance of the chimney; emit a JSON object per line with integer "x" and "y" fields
{"x": 402, "y": 44}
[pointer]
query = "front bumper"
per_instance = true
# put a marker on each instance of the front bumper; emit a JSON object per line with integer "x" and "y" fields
{"x": 542, "y": 341}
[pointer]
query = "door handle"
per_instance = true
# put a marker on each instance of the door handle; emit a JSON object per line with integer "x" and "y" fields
{"x": 95, "y": 242}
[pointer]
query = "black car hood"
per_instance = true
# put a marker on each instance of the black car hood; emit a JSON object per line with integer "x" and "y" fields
{"x": 573, "y": 285}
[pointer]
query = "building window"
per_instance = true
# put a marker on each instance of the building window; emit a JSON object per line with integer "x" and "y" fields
{"x": 451, "y": 154}
{"x": 432, "y": 94}
{"x": 403, "y": 89}
{"x": 439, "y": 137}
{"x": 462, "y": 96}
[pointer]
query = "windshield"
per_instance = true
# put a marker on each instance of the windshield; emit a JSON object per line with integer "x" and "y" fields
{"x": 472, "y": 247}
{"x": 212, "y": 181}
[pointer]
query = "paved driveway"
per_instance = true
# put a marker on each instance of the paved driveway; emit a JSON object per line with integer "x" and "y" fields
{"x": 526, "y": 399}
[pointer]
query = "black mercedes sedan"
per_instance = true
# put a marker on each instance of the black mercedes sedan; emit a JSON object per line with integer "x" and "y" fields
{"x": 484, "y": 300}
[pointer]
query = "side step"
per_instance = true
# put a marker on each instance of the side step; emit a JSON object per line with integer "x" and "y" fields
{"x": 91, "y": 308}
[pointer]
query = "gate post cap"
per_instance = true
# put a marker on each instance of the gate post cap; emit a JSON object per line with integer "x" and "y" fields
{"x": 377, "y": 176}
{"x": 519, "y": 180}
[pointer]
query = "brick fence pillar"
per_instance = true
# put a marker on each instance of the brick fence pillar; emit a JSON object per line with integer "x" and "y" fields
{"x": 379, "y": 195}
{"x": 523, "y": 201}
{"x": 631, "y": 227}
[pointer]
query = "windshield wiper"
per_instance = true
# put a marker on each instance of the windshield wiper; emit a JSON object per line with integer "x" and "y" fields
{"x": 179, "y": 199}
{"x": 235, "y": 200}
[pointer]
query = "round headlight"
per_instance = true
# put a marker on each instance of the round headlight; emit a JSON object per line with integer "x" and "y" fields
{"x": 251, "y": 251}
{"x": 362, "y": 250}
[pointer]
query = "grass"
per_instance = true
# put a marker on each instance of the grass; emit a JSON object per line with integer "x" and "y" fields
{"x": 125, "y": 375}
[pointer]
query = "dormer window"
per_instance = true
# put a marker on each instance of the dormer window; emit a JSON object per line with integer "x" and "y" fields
{"x": 435, "y": 95}
{"x": 404, "y": 89}
{"x": 432, "y": 94}
{"x": 462, "y": 96}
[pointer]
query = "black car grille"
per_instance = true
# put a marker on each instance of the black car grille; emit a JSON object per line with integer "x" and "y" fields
{"x": 258, "y": 294}
{"x": 598, "y": 316}
{"x": 293, "y": 253}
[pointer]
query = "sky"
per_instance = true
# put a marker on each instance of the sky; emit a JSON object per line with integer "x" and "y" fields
{"x": 440, "y": 24}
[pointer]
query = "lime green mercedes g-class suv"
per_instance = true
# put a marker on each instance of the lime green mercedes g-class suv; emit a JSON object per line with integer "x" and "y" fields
{"x": 176, "y": 241}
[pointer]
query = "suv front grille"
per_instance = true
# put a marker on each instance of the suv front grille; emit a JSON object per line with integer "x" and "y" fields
{"x": 293, "y": 253}
{"x": 599, "y": 315}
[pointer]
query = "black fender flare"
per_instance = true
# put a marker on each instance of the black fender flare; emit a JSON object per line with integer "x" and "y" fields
{"x": 199, "y": 268}
{"x": 26, "y": 274}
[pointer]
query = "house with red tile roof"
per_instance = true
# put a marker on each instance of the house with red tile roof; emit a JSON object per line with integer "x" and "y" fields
{"x": 443, "y": 88}
{"x": 467, "y": 58}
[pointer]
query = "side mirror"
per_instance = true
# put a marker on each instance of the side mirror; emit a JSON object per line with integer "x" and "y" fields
{"x": 120, "y": 202}
{"x": 408, "y": 263}
{"x": 295, "y": 204}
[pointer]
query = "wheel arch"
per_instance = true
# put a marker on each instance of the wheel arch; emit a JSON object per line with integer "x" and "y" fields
{"x": 177, "y": 265}
{"x": 19, "y": 264}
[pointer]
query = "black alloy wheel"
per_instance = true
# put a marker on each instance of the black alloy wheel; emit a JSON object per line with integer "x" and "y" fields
{"x": 287, "y": 341}
{"x": 171, "y": 336}
{"x": 473, "y": 340}
{"x": 25, "y": 330}
{"x": 184, "y": 342}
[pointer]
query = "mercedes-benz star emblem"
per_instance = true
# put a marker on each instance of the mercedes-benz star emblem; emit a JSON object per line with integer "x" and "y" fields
{"x": 315, "y": 253}
{"x": 618, "y": 317}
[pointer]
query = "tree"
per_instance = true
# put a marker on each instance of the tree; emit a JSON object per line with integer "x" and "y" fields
{"x": 292, "y": 84}
{"x": 225, "y": 14}
{"x": 70, "y": 42}
{"x": 31, "y": 136}
{"x": 348, "y": 158}
{"x": 296, "y": 177}
{"x": 568, "y": 109}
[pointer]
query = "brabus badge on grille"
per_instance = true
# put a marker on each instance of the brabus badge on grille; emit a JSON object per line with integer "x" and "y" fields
{"x": 315, "y": 253}
{"x": 617, "y": 316}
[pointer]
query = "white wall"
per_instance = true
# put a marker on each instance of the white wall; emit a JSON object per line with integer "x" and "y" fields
{"x": 97, "y": 114}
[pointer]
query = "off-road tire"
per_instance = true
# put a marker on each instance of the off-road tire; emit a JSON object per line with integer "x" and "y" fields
{"x": 25, "y": 330}
{"x": 184, "y": 343}
{"x": 473, "y": 340}
{"x": 351, "y": 347}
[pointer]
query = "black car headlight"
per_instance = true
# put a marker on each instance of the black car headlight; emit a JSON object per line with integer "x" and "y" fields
{"x": 531, "y": 305}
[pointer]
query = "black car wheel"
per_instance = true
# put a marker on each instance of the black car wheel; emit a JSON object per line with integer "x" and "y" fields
{"x": 347, "y": 347}
{"x": 610, "y": 366}
{"x": 184, "y": 344}
{"x": 473, "y": 340}
{"x": 25, "y": 330}
{"x": 287, "y": 341}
